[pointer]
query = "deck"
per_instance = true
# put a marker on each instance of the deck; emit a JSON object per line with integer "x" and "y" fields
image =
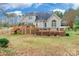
{"x": 49, "y": 32}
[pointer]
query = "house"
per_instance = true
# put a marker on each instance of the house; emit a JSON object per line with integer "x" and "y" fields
{"x": 44, "y": 24}
{"x": 48, "y": 21}
{"x": 42, "y": 20}
{"x": 45, "y": 21}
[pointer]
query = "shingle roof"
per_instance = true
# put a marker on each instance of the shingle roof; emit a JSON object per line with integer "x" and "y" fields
{"x": 40, "y": 15}
{"x": 43, "y": 16}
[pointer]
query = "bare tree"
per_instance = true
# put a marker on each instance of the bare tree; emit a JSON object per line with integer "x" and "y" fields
{"x": 69, "y": 17}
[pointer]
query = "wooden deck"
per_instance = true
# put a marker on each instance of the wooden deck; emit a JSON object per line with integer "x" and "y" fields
{"x": 36, "y": 31}
{"x": 50, "y": 32}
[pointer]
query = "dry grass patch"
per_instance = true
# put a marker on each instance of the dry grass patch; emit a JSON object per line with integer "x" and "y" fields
{"x": 41, "y": 45}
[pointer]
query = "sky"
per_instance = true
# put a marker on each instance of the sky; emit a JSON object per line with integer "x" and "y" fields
{"x": 20, "y": 8}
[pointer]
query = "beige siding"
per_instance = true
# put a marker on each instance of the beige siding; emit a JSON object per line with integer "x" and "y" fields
{"x": 41, "y": 24}
{"x": 30, "y": 20}
{"x": 58, "y": 22}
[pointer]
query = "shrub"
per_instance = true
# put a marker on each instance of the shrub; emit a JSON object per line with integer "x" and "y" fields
{"x": 18, "y": 31}
{"x": 67, "y": 34}
{"x": 4, "y": 42}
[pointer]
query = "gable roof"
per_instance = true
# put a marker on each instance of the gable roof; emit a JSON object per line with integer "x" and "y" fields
{"x": 40, "y": 15}
{"x": 46, "y": 16}
{"x": 43, "y": 16}
{"x": 56, "y": 16}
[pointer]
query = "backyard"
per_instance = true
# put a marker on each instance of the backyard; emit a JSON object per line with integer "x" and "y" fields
{"x": 30, "y": 45}
{"x": 39, "y": 30}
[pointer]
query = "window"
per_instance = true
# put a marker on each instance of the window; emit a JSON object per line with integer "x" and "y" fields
{"x": 30, "y": 17}
{"x": 36, "y": 24}
{"x": 54, "y": 23}
{"x": 45, "y": 25}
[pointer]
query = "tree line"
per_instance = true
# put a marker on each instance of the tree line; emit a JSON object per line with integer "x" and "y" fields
{"x": 69, "y": 17}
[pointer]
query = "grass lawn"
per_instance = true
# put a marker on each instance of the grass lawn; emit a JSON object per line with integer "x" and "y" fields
{"x": 42, "y": 45}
